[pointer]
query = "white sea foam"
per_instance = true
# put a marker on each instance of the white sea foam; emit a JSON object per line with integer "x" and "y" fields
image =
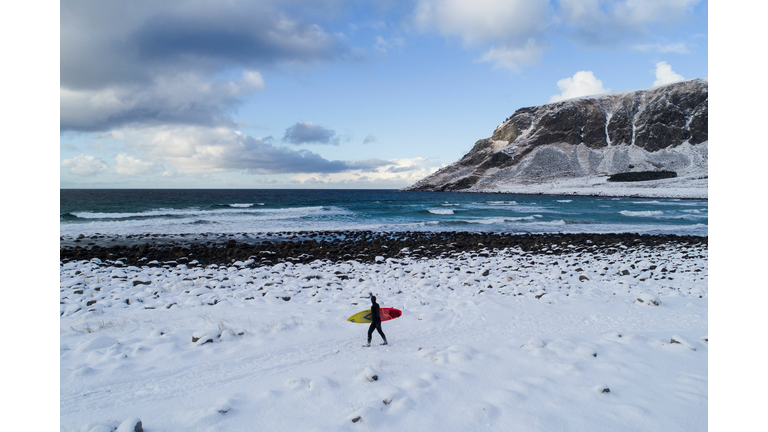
{"x": 151, "y": 213}
{"x": 648, "y": 213}
{"x": 197, "y": 212}
{"x": 564, "y": 201}
{"x": 487, "y": 221}
{"x": 534, "y": 209}
{"x": 501, "y": 203}
{"x": 441, "y": 211}
{"x": 227, "y": 220}
{"x": 523, "y": 218}
{"x": 554, "y": 222}
{"x": 236, "y": 205}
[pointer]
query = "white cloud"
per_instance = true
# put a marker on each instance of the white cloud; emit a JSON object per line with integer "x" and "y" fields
{"x": 665, "y": 74}
{"x": 482, "y": 21}
{"x": 515, "y": 57}
{"x": 382, "y": 45}
{"x": 250, "y": 81}
{"x": 84, "y": 165}
{"x": 513, "y": 28}
{"x": 600, "y": 23}
{"x": 399, "y": 172}
{"x": 129, "y": 165}
{"x": 583, "y": 83}
{"x": 197, "y": 150}
{"x": 646, "y": 11}
{"x": 678, "y": 48}
{"x": 584, "y": 13}
{"x": 513, "y": 33}
{"x": 175, "y": 152}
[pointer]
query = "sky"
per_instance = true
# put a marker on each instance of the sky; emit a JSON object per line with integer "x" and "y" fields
{"x": 334, "y": 93}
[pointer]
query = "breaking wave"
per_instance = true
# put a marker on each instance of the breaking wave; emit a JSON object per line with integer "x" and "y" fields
{"x": 648, "y": 213}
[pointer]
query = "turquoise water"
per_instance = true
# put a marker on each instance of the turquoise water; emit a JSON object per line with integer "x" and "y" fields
{"x": 123, "y": 212}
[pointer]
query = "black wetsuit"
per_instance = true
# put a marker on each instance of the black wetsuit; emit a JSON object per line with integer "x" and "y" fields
{"x": 375, "y": 321}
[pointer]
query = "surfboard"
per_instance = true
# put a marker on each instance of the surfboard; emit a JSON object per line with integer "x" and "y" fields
{"x": 364, "y": 317}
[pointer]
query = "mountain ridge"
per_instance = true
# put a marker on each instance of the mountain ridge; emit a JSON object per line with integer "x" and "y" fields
{"x": 573, "y": 146}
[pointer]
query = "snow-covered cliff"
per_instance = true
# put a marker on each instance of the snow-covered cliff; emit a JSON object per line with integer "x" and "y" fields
{"x": 573, "y": 146}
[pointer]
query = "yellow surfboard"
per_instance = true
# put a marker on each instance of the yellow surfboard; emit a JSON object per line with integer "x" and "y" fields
{"x": 364, "y": 317}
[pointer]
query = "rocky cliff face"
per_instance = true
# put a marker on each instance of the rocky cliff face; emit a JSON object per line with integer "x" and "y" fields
{"x": 662, "y": 128}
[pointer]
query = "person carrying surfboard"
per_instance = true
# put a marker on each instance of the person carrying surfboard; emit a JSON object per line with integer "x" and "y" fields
{"x": 375, "y": 322}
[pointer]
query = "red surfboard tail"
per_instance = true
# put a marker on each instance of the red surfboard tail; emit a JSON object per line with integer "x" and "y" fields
{"x": 387, "y": 314}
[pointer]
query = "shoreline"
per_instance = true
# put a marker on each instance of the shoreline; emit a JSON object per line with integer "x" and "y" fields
{"x": 573, "y": 193}
{"x": 360, "y": 246}
{"x": 689, "y": 187}
{"x": 689, "y": 197}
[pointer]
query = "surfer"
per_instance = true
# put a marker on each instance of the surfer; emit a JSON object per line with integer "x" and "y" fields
{"x": 375, "y": 322}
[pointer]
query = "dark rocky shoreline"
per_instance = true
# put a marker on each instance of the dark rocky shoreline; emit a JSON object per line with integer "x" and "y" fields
{"x": 362, "y": 246}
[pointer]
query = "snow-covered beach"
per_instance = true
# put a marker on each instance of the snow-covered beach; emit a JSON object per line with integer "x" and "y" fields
{"x": 564, "y": 337}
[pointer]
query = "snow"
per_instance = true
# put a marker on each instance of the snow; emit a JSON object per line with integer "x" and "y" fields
{"x": 507, "y": 341}
{"x": 693, "y": 186}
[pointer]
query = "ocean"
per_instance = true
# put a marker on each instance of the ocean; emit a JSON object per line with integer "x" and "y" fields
{"x": 254, "y": 211}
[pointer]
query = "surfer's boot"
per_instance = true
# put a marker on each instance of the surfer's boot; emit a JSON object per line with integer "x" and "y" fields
{"x": 368, "y": 344}
{"x": 385, "y": 342}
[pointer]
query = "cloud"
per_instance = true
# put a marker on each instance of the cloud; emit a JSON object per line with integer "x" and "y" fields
{"x": 583, "y": 83}
{"x": 84, "y": 165}
{"x": 665, "y": 74}
{"x": 186, "y": 98}
{"x": 382, "y": 46}
{"x": 178, "y": 151}
{"x": 514, "y": 59}
{"x": 608, "y": 23}
{"x": 370, "y": 139}
{"x": 195, "y": 150}
{"x": 482, "y": 20}
{"x": 308, "y": 133}
{"x": 161, "y": 62}
{"x": 513, "y": 28}
{"x": 678, "y": 48}
{"x": 395, "y": 172}
{"x": 647, "y": 11}
{"x": 203, "y": 152}
{"x": 113, "y": 43}
{"x": 130, "y": 166}
{"x": 265, "y": 180}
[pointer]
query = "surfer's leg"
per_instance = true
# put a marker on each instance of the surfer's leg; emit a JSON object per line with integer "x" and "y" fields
{"x": 370, "y": 331}
{"x": 378, "y": 328}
